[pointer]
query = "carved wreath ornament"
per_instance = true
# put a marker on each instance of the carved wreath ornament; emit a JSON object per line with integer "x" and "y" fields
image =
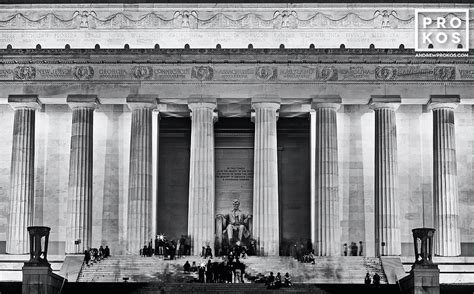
{"x": 444, "y": 73}
{"x": 83, "y": 72}
{"x": 25, "y": 73}
{"x": 329, "y": 73}
{"x": 385, "y": 73}
{"x": 266, "y": 73}
{"x": 202, "y": 73}
{"x": 142, "y": 72}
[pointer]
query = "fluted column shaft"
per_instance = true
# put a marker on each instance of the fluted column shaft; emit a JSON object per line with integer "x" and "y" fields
{"x": 201, "y": 176}
{"x": 79, "y": 225}
{"x": 445, "y": 188}
{"x": 387, "y": 215}
{"x": 22, "y": 175}
{"x": 326, "y": 225}
{"x": 265, "y": 184}
{"x": 139, "y": 224}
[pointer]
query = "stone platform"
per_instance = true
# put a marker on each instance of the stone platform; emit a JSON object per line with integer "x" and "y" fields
{"x": 326, "y": 270}
{"x": 453, "y": 270}
{"x": 11, "y": 265}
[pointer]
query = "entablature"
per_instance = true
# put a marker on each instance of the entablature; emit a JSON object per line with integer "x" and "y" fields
{"x": 233, "y": 75}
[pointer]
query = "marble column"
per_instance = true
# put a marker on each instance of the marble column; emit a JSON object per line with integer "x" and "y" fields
{"x": 79, "y": 204}
{"x": 266, "y": 229}
{"x": 140, "y": 185}
{"x": 387, "y": 215}
{"x": 201, "y": 211}
{"x": 445, "y": 187}
{"x": 21, "y": 207}
{"x": 325, "y": 228}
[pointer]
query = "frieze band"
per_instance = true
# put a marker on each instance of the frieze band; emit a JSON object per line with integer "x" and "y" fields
{"x": 191, "y": 19}
{"x": 236, "y": 72}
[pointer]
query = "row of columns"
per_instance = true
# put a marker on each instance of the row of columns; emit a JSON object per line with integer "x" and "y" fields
{"x": 325, "y": 219}
{"x": 325, "y": 227}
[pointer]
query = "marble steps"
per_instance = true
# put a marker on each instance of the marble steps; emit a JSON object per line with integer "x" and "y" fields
{"x": 152, "y": 269}
{"x": 136, "y": 269}
{"x": 253, "y": 288}
{"x": 325, "y": 270}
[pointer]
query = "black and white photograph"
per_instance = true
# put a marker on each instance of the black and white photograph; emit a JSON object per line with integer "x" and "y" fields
{"x": 190, "y": 146}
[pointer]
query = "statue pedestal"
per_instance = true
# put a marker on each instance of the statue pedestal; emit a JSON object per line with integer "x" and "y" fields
{"x": 40, "y": 279}
{"x": 423, "y": 279}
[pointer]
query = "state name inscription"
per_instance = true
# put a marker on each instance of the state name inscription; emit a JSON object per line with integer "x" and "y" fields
{"x": 234, "y": 174}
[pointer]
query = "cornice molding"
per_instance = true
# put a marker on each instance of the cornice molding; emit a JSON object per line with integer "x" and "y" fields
{"x": 236, "y": 25}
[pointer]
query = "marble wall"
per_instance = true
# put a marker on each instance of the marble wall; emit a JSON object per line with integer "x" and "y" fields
{"x": 356, "y": 175}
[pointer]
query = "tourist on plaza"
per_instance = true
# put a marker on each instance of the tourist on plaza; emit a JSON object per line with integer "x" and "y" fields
{"x": 201, "y": 271}
{"x": 87, "y": 257}
{"x": 271, "y": 281}
{"x": 186, "y": 267}
{"x": 361, "y": 248}
{"x": 208, "y": 252}
{"x": 287, "y": 282}
{"x": 376, "y": 279}
{"x": 107, "y": 252}
{"x": 367, "y": 280}
{"x": 278, "y": 283}
{"x": 345, "y": 249}
{"x": 193, "y": 267}
{"x": 353, "y": 249}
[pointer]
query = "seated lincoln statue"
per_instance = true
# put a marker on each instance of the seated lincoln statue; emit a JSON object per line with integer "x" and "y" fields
{"x": 232, "y": 228}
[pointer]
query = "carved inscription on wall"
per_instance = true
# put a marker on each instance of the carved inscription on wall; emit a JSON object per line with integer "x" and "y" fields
{"x": 234, "y": 173}
{"x": 234, "y": 178}
{"x": 215, "y": 73}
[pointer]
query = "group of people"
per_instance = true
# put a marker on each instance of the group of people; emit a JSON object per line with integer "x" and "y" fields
{"x": 375, "y": 280}
{"x": 354, "y": 250}
{"x": 95, "y": 255}
{"x": 229, "y": 270}
{"x": 168, "y": 249}
{"x": 275, "y": 282}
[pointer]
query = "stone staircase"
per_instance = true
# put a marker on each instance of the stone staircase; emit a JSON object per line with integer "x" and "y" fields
{"x": 138, "y": 269}
{"x": 326, "y": 270}
{"x": 329, "y": 270}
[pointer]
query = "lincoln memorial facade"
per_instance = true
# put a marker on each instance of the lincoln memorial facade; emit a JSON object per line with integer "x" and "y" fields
{"x": 119, "y": 123}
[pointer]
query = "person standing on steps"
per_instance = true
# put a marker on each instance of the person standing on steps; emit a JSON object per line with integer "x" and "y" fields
{"x": 376, "y": 279}
{"x": 367, "y": 280}
{"x": 361, "y": 249}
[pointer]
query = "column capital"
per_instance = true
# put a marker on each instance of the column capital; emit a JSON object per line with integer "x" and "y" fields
{"x": 196, "y": 105}
{"x": 142, "y": 101}
{"x": 265, "y": 101}
{"x": 443, "y": 101}
{"x": 269, "y": 105}
{"x": 202, "y": 99}
{"x": 24, "y": 101}
{"x": 82, "y": 101}
{"x": 384, "y": 102}
{"x": 264, "y": 105}
{"x": 200, "y": 105}
{"x": 326, "y": 101}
